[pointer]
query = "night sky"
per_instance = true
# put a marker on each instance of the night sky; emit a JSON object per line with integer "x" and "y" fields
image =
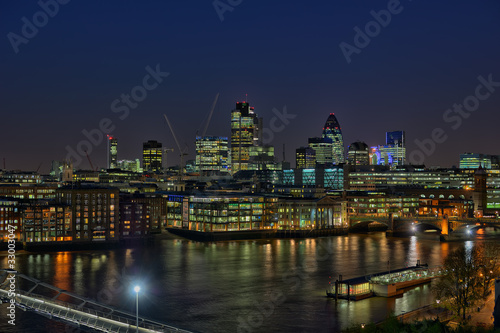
{"x": 65, "y": 78}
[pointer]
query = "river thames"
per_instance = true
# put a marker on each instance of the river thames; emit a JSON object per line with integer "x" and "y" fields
{"x": 235, "y": 286}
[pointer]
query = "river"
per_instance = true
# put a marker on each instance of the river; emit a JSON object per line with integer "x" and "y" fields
{"x": 235, "y": 286}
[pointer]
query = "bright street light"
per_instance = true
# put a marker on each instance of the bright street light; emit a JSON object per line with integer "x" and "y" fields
{"x": 137, "y": 289}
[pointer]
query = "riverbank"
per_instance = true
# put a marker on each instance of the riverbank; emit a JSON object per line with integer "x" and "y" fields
{"x": 254, "y": 234}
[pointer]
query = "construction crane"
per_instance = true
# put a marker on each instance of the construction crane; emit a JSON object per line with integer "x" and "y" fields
{"x": 182, "y": 152}
{"x": 210, "y": 116}
{"x": 90, "y": 162}
{"x": 166, "y": 150}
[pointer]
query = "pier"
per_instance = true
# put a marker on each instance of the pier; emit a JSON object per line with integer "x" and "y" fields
{"x": 386, "y": 284}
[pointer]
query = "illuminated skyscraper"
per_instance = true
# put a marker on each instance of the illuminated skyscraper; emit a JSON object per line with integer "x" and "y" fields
{"x": 305, "y": 158}
{"x": 393, "y": 153}
{"x": 112, "y": 152}
{"x": 152, "y": 156}
{"x": 245, "y": 132}
{"x": 323, "y": 148}
{"x": 358, "y": 154}
{"x": 333, "y": 132}
{"x": 212, "y": 154}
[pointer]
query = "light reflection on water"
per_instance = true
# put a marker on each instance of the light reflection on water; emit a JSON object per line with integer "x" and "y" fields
{"x": 213, "y": 287}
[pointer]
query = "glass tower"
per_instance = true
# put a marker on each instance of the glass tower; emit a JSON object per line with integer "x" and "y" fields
{"x": 152, "y": 156}
{"x": 112, "y": 152}
{"x": 244, "y": 134}
{"x": 333, "y": 132}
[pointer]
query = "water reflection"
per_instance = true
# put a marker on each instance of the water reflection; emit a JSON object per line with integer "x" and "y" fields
{"x": 207, "y": 287}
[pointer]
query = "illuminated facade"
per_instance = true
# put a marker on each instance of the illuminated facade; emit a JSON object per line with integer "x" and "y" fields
{"x": 305, "y": 158}
{"x": 130, "y": 165}
{"x": 232, "y": 213}
{"x": 10, "y": 219}
{"x": 245, "y": 133}
{"x": 152, "y": 156}
{"x": 393, "y": 153}
{"x": 47, "y": 223}
{"x": 28, "y": 192}
{"x": 212, "y": 154}
{"x": 262, "y": 158}
{"x": 333, "y": 132}
{"x": 474, "y": 161}
{"x": 112, "y": 152}
{"x": 320, "y": 213}
{"x": 358, "y": 154}
{"x": 95, "y": 212}
{"x": 323, "y": 150}
{"x": 134, "y": 218}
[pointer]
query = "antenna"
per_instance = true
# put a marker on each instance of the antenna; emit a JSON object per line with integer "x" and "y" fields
{"x": 210, "y": 115}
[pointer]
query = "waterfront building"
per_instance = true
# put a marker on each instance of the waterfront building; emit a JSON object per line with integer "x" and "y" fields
{"x": 305, "y": 158}
{"x": 112, "y": 152}
{"x": 446, "y": 207}
{"x": 10, "y": 219}
{"x": 212, "y": 155}
{"x": 332, "y": 131}
{"x": 152, "y": 156}
{"x": 47, "y": 222}
{"x": 94, "y": 211}
{"x": 358, "y": 154}
{"x": 232, "y": 212}
{"x": 381, "y": 204}
{"x": 312, "y": 213}
{"x": 134, "y": 218}
{"x": 246, "y": 131}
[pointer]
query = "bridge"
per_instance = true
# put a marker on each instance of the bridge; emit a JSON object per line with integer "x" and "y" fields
{"x": 80, "y": 312}
{"x": 443, "y": 225}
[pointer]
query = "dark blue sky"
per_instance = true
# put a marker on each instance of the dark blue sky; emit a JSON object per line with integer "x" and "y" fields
{"x": 281, "y": 53}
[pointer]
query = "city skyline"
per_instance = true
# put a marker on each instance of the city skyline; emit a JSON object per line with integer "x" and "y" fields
{"x": 407, "y": 77}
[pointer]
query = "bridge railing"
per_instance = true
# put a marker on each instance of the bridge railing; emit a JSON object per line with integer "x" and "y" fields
{"x": 87, "y": 316}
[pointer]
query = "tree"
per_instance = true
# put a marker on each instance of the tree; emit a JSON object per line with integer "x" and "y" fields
{"x": 489, "y": 268}
{"x": 460, "y": 287}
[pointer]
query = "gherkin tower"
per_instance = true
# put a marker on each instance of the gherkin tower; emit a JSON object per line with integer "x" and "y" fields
{"x": 332, "y": 131}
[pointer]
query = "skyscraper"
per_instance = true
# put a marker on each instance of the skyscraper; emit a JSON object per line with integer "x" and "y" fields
{"x": 212, "y": 154}
{"x": 358, "y": 154}
{"x": 333, "y": 132}
{"x": 305, "y": 158}
{"x": 244, "y": 134}
{"x": 393, "y": 153}
{"x": 152, "y": 156}
{"x": 112, "y": 152}
{"x": 323, "y": 149}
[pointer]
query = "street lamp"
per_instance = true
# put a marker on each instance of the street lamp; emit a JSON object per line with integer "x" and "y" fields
{"x": 137, "y": 289}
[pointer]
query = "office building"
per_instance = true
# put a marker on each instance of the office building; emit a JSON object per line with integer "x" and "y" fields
{"x": 212, "y": 155}
{"x": 358, "y": 154}
{"x": 474, "y": 161}
{"x": 152, "y": 156}
{"x": 332, "y": 131}
{"x": 245, "y": 133}
{"x": 305, "y": 158}
{"x": 323, "y": 150}
{"x": 262, "y": 158}
{"x": 112, "y": 152}
{"x": 393, "y": 153}
{"x": 94, "y": 211}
